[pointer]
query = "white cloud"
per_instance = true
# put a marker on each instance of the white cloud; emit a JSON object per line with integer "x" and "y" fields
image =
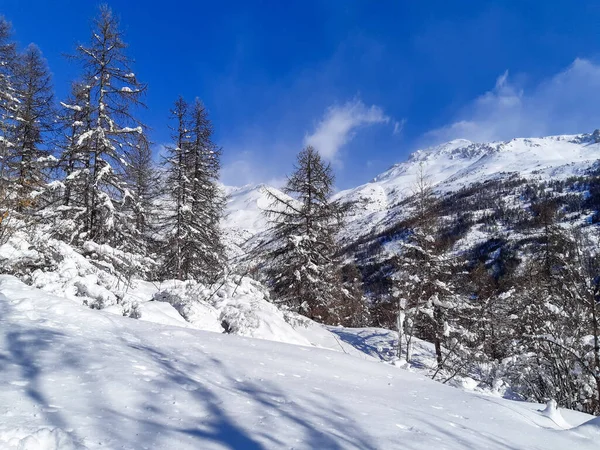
{"x": 565, "y": 103}
{"x": 247, "y": 168}
{"x": 339, "y": 124}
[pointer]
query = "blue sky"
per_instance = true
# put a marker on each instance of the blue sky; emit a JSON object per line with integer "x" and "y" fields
{"x": 366, "y": 82}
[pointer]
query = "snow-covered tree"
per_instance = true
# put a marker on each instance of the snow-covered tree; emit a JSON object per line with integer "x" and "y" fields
{"x": 31, "y": 153}
{"x": 558, "y": 346}
{"x": 144, "y": 181}
{"x": 429, "y": 304}
{"x": 74, "y": 161}
{"x": 104, "y": 132}
{"x": 193, "y": 245}
{"x": 304, "y": 272}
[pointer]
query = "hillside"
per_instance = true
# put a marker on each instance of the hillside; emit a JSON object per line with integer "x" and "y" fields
{"x": 449, "y": 167}
{"x": 80, "y": 379}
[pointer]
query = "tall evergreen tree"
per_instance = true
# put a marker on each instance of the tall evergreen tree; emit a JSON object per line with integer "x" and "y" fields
{"x": 304, "y": 273}
{"x": 35, "y": 121}
{"x": 194, "y": 249}
{"x": 105, "y": 132}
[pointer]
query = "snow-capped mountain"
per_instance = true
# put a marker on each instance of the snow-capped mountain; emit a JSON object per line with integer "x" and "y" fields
{"x": 448, "y": 167}
{"x": 459, "y": 163}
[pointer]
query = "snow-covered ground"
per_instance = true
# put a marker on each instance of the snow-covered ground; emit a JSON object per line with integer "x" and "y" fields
{"x": 73, "y": 378}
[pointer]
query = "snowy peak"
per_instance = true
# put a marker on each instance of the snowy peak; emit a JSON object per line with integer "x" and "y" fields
{"x": 448, "y": 167}
{"x": 458, "y": 163}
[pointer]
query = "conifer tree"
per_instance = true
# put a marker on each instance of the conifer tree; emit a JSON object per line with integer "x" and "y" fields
{"x": 305, "y": 274}
{"x": 74, "y": 160}
{"x": 194, "y": 249}
{"x": 429, "y": 304}
{"x": 8, "y": 105}
{"x": 104, "y": 132}
{"x": 144, "y": 183}
{"x": 29, "y": 160}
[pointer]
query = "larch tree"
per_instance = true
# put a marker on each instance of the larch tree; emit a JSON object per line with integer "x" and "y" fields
{"x": 74, "y": 160}
{"x": 144, "y": 182}
{"x": 193, "y": 246}
{"x": 104, "y": 132}
{"x": 558, "y": 356}
{"x": 304, "y": 272}
{"x": 31, "y": 153}
{"x": 429, "y": 305}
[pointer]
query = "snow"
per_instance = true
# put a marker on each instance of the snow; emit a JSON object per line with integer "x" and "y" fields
{"x": 590, "y": 429}
{"x": 238, "y": 303}
{"x": 459, "y": 163}
{"x": 245, "y": 211}
{"x": 448, "y": 167}
{"x": 74, "y": 378}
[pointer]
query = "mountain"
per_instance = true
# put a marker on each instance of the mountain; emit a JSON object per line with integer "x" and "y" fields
{"x": 77, "y": 379}
{"x": 448, "y": 167}
{"x": 457, "y": 164}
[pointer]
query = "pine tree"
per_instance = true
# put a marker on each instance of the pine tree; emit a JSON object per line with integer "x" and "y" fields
{"x": 194, "y": 249}
{"x": 104, "y": 132}
{"x": 305, "y": 274}
{"x": 30, "y": 155}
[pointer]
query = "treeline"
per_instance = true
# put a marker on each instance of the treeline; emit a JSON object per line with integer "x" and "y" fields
{"x": 83, "y": 171}
{"x": 84, "y": 168}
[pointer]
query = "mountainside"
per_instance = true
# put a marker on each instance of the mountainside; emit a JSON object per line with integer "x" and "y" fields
{"x": 448, "y": 167}
{"x": 457, "y": 164}
{"x": 82, "y": 379}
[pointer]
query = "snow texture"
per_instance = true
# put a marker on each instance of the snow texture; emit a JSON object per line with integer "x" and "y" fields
{"x": 73, "y": 378}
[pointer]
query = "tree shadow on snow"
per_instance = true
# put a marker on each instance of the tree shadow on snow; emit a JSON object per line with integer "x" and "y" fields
{"x": 33, "y": 352}
{"x": 215, "y": 424}
{"x": 360, "y": 342}
{"x": 316, "y": 418}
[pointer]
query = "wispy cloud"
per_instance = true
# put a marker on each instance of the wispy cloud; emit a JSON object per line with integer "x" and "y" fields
{"x": 564, "y": 103}
{"x": 248, "y": 168}
{"x": 339, "y": 124}
{"x": 399, "y": 126}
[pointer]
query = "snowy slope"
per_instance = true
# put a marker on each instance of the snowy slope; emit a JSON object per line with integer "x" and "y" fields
{"x": 448, "y": 167}
{"x": 459, "y": 163}
{"x": 245, "y": 210}
{"x": 245, "y": 206}
{"x": 76, "y": 378}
